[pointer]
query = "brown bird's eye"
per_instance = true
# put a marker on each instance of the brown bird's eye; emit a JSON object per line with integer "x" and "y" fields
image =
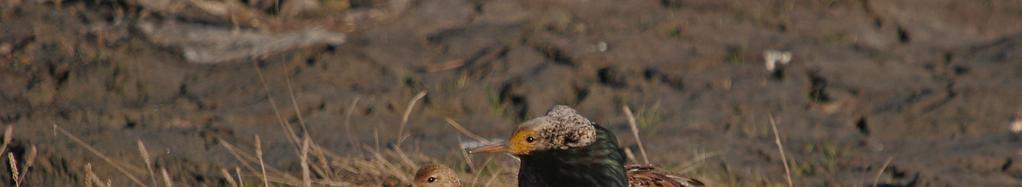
{"x": 530, "y": 139}
{"x": 431, "y": 179}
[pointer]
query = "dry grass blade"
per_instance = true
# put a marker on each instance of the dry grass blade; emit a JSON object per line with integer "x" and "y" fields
{"x": 306, "y": 177}
{"x": 468, "y": 159}
{"x": 294, "y": 103}
{"x": 241, "y": 181}
{"x": 91, "y": 178}
{"x": 148, "y": 163}
{"x": 464, "y": 131}
{"x": 8, "y": 135}
{"x": 629, "y": 154}
{"x": 635, "y": 132}
{"x": 292, "y": 137}
{"x": 347, "y": 123}
{"x": 479, "y": 173}
{"x": 262, "y": 165}
{"x": 385, "y": 165}
{"x": 29, "y": 159}
{"x": 404, "y": 119}
{"x": 229, "y": 178}
{"x": 119, "y": 167}
{"x": 327, "y": 172}
{"x": 166, "y": 178}
{"x": 695, "y": 162}
{"x": 14, "y": 168}
{"x": 876, "y": 180}
{"x": 780, "y": 148}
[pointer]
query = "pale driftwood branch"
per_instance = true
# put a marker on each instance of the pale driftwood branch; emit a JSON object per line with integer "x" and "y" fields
{"x": 206, "y": 45}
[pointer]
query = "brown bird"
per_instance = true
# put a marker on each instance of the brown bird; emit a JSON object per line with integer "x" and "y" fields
{"x": 436, "y": 175}
{"x": 646, "y": 176}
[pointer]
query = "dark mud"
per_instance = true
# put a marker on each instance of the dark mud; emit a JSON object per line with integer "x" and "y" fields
{"x": 932, "y": 85}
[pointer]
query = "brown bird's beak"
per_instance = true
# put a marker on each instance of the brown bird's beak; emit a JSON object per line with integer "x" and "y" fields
{"x": 492, "y": 148}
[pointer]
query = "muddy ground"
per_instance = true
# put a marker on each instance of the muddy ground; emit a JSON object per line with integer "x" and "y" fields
{"x": 931, "y": 85}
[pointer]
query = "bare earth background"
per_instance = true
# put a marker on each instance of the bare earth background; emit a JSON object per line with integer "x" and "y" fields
{"x": 930, "y": 84}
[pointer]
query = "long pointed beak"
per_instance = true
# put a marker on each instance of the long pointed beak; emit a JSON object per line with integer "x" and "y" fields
{"x": 492, "y": 148}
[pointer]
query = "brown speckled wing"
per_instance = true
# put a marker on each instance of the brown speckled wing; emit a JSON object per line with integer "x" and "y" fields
{"x": 645, "y": 176}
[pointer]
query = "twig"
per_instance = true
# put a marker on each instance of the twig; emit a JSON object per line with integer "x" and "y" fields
{"x": 876, "y": 180}
{"x": 88, "y": 147}
{"x": 635, "y": 132}
{"x": 780, "y": 148}
{"x": 148, "y": 163}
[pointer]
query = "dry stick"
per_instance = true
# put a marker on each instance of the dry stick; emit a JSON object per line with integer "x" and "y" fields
{"x": 876, "y": 180}
{"x": 635, "y": 131}
{"x": 14, "y": 168}
{"x": 262, "y": 165}
{"x": 88, "y": 147}
{"x": 780, "y": 148}
{"x": 347, "y": 124}
{"x": 28, "y": 164}
{"x": 273, "y": 104}
{"x": 166, "y": 178}
{"x": 148, "y": 163}
{"x": 306, "y": 177}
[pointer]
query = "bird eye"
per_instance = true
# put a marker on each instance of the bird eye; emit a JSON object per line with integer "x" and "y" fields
{"x": 431, "y": 179}
{"x": 530, "y": 139}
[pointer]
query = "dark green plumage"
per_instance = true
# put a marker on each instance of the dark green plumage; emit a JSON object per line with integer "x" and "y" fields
{"x": 598, "y": 164}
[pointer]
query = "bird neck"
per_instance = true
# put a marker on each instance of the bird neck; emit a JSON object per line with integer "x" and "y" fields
{"x": 598, "y": 164}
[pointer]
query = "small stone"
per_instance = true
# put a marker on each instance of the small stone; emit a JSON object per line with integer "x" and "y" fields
{"x": 6, "y": 48}
{"x": 773, "y": 57}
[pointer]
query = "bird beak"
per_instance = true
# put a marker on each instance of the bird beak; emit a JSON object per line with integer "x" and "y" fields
{"x": 492, "y": 148}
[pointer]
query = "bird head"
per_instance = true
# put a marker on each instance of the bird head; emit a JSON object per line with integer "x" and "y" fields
{"x": 562, "y": 128}
{"x": 435, "y": 175}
